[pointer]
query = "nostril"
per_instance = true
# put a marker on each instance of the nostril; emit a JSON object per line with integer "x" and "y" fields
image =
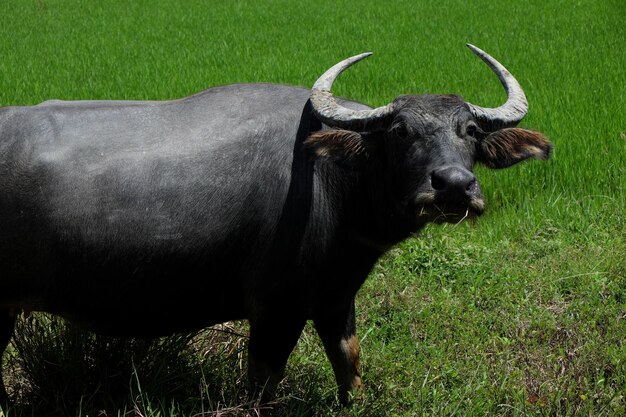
{"x": 437, "y": 182}
{"x": 453, "y": 181}
{"x": 470, "y": 185}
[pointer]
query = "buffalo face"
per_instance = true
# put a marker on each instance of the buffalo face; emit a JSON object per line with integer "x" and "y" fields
{"x": 431, "y": 143}
{"x": 425, "y": 147}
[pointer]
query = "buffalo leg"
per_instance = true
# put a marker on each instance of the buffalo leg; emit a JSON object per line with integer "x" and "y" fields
{"x": 337, "y": 330}
{"x": 271, "y": 343}
{"x": 7, "y": 324}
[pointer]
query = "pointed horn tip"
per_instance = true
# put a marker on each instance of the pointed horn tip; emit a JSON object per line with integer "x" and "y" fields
{"x": 475, "y": 49}
{"x": 361, "y": 56}
{"x": 334, "y": 71}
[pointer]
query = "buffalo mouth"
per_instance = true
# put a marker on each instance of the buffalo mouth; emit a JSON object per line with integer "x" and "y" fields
{"x": 448, "y": 212}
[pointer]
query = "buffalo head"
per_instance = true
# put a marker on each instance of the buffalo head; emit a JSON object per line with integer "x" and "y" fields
{"x": 428, "y": 144}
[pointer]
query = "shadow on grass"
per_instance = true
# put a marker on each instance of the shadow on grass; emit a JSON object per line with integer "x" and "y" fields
{"x": 54, "y": 368}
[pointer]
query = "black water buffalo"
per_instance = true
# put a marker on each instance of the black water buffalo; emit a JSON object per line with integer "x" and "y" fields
{"x": 262, "y": 202}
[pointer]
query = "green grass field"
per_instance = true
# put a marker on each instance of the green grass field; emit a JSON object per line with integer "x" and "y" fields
{"x": 520, "y": 313}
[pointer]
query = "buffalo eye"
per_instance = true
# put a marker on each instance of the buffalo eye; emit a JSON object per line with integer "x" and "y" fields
{"x": 471, "y": 130}
{"x": 400, "y": 130}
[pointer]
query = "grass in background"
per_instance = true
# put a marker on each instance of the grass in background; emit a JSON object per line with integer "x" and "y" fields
{"x": 522, "y": 313}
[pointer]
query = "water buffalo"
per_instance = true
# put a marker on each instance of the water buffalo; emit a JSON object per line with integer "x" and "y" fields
{"x": 263, "y": 202}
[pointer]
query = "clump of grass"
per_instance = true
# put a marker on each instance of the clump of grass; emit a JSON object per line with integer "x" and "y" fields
{"x": 56, "y": 368}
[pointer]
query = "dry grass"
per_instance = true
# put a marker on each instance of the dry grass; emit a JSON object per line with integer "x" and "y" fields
{"x": 54, "y": 368}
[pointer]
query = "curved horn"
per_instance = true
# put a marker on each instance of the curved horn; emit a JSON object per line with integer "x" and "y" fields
{"x": 333, "y": 114}
{"x": 516, "y": 106}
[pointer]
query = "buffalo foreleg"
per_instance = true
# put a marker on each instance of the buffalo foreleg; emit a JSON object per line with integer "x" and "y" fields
{"x": 337, "y": 330}
{"x": 7, "y": 324}
{"x": 271, "y": 342}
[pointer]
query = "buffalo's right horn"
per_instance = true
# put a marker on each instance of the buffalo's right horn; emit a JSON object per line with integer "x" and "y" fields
{"x": 516, "y": 106}
{"x": 333, "y": 114}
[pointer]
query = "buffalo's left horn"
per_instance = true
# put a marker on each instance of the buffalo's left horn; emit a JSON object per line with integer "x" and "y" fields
{"x": 333, "y": 114}
{"x": 516, "y": 106}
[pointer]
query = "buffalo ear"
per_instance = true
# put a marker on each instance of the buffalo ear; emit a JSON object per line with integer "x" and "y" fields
{"x": 507, "y": 147}
{"x": 342, "y": 146}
